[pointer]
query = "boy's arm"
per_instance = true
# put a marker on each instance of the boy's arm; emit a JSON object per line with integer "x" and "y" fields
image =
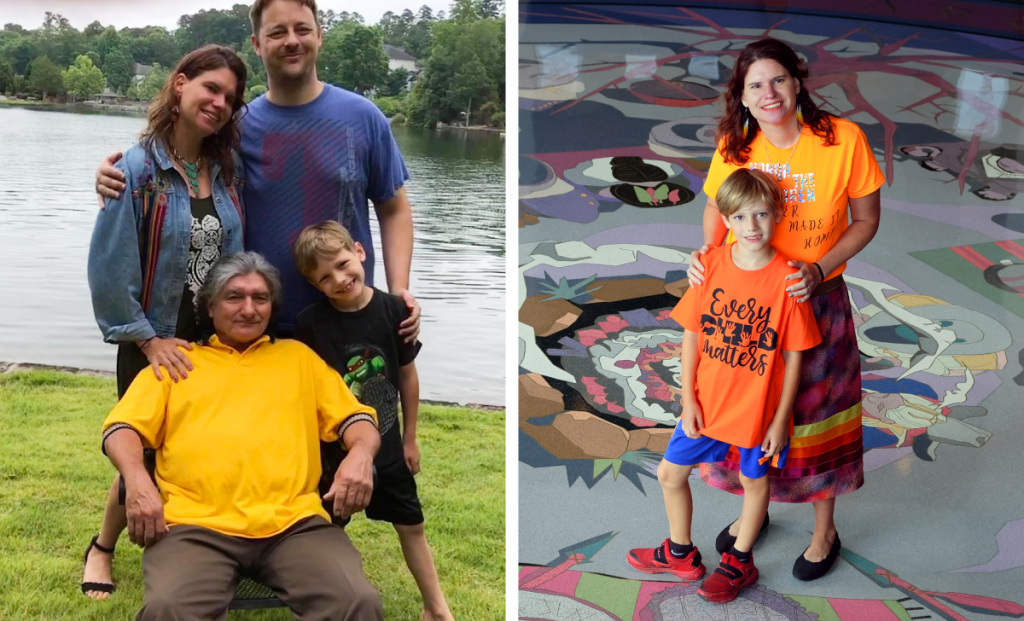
{"x": 409, "y": 392}
{"x": 778, "y": 431}
{"x": 692, "y": 418}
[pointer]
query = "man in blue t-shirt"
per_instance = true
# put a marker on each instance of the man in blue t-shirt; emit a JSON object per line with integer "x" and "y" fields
{"x": 313, "y": 152}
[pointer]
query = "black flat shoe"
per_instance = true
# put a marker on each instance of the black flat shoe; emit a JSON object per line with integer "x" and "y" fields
{"x": 725, "y": 541}
{"x": 101, "y": 587}
{"x": 805, "y": 570}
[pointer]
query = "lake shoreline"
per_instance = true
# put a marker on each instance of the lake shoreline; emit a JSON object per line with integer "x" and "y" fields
{"x": 14, "y": 367}
{"x": 471, "y": 128}
{"x": 79, "y": 108}
{"x": 141, "y": 110}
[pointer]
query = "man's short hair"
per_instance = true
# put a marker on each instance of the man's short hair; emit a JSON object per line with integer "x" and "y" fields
{"x": 258, "y": 6}
{"x": 227, "y": 267}
{"x": 320, "y": 241}
{"x": 744, "y": 186}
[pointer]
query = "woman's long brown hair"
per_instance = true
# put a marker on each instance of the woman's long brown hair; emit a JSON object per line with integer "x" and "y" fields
{"x": 729, "y": 134}
{"x": 216, "y": 147}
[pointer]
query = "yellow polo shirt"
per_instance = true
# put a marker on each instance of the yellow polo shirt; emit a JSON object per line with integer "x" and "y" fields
{"x": 237, "y": 443}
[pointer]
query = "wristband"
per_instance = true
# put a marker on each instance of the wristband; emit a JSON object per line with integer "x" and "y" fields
{"x": 820, "y": 271}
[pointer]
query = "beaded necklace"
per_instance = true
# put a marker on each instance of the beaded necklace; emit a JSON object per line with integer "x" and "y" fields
{"x": 191, "y": 170}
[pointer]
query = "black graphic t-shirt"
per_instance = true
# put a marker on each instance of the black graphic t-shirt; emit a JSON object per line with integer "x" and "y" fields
{"x": 365, "y": 348}
{"x": 203, "y": 251}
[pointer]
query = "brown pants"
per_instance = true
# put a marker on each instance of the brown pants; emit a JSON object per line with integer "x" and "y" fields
{"x": 191, "y": 574}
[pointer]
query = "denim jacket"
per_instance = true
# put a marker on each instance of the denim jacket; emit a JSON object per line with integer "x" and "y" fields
{"x": 138, "y": 256}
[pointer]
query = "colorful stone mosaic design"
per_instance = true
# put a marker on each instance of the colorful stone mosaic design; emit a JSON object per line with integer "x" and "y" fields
{"x": 617, "y": 110}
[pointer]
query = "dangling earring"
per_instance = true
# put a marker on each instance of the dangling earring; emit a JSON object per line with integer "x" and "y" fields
{"x": 799, "y": 115}
{"x": 746, "y": 124}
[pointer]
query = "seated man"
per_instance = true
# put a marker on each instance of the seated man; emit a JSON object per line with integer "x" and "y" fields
{"x": 238, "y": 461}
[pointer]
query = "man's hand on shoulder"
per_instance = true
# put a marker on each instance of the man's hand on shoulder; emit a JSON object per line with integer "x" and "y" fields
{"x": 409, "y": 329}
{"x": 109, "y": 180}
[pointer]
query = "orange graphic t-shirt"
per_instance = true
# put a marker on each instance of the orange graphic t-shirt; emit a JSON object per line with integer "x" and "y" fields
{"x": 744, "y": 320}
{"x": 817, "y": 186}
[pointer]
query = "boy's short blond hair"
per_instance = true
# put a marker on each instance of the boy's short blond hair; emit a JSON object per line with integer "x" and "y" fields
{"x": 744, "y": 186}
{"x": 320, "y": 241}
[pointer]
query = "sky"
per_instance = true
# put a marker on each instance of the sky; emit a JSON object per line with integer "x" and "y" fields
{"x": 139, "y": 13}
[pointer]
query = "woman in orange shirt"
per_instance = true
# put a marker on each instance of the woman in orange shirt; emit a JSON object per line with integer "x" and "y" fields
{"x": 831, "y": 183}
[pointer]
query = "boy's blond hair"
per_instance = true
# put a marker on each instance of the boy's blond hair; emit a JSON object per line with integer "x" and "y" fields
{"x": 317, "y": 241}
{"x": 744, "y": 186}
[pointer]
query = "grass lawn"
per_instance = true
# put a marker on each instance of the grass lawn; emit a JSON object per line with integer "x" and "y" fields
{"x": 53, "y": 482}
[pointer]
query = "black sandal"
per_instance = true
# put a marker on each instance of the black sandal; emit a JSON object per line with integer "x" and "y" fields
{"x": 99, "y": 587}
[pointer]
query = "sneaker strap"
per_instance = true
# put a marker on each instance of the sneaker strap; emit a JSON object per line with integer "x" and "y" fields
{"x": 729, "y": 571}
{"x": 659, "y": 553}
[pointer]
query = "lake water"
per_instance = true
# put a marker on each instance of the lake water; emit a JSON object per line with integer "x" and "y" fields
{"x": 47, "y": 209}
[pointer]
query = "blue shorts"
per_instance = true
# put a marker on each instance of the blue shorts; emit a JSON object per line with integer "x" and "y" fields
{"x": 683, "y": 451}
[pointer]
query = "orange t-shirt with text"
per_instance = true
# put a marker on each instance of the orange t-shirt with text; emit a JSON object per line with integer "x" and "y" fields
{"x": 817, "y": 185}
{"x": 744, "y": 320}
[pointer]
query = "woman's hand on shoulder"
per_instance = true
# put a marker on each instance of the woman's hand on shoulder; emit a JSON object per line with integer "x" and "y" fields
{"x": 801, "y": 283}
{"x": 165, "y": 353}
{"x": 695, "y": 274}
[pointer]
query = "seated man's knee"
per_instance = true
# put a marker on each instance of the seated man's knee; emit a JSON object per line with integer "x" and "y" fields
{"x": 161, "y": 606}
{"x": 366, "y": 600}
{"x": 361, "y": 603}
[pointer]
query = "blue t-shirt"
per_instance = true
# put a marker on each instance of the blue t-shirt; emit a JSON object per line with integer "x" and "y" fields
{"x": 305, "y": 164}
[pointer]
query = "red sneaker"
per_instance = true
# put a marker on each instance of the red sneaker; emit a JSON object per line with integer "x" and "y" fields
{"x": 660, "y": 560}
{"x": 728, "y": 579}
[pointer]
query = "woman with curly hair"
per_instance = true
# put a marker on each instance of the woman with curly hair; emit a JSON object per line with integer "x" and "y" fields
{"x": 152, "y": 247}
{"x": 831, "y": 182}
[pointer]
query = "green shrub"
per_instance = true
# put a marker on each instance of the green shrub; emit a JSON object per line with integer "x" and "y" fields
{"x": 254, "y": 91}
{"x": 390, "y": 106}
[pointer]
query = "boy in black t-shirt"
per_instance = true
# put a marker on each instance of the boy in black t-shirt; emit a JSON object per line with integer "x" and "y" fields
{"x": 355, "y": 330}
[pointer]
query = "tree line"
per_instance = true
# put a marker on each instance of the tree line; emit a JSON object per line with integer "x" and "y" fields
{"x": 459, "y": 77}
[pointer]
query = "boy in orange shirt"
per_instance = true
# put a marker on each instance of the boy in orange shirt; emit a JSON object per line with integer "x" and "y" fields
{"x": 741, "y": 367}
